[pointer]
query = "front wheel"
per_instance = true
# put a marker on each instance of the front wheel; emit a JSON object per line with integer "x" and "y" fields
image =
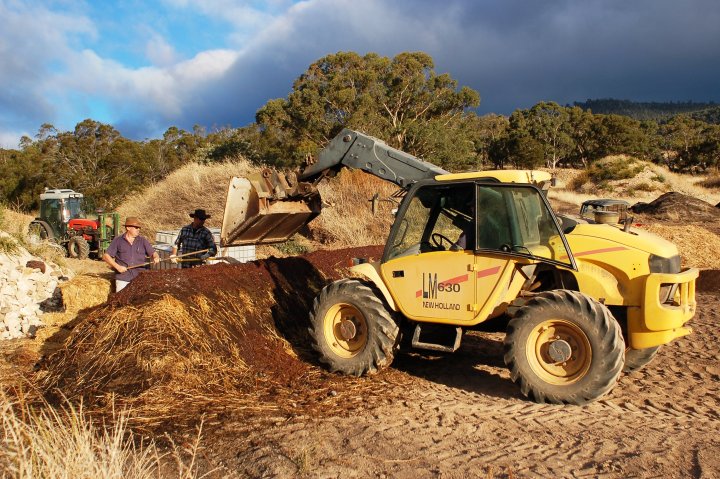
{"x": 564, "y": 347}
{"x": 78, "y": 248}
{"x": 637, "y": 358}
{"x": 351, "y": 328}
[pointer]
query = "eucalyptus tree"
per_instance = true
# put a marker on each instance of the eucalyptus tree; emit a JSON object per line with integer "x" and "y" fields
{"x": 400, "y": 100}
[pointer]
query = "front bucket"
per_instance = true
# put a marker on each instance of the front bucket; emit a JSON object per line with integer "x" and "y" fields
{"x": 252, "y": 219}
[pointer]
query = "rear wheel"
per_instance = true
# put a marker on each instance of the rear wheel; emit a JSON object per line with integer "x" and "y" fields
{"x": 637, "y": 358}
{"x": 564, "y": 347}
{"x": 78, "y": 248}
{"x": 40, "y": 231}
{"x": 352, "y": 329}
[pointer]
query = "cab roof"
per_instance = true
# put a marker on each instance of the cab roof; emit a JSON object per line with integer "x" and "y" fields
{"x": 59, "y": 194}
{"x": 504, "y": 176}
{"x": 605, "y": 202}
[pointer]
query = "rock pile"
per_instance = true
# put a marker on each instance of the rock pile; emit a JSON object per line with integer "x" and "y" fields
{"x": 28, "y": 287}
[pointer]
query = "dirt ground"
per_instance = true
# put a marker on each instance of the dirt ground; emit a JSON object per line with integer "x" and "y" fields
{"x": 430, "y": 415}
{"x": 460, "y": 416}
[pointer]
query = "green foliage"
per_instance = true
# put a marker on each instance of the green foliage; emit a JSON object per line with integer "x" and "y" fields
{"x": 708, "y": 115}
{"x": 295, "y": 246}
{"x": 613, "y": 170}
{"x": 645, "y": 187}
{"x": 656, "y": 111}
{"x": 579, "y": 180}
{"x": 401, "y": 100}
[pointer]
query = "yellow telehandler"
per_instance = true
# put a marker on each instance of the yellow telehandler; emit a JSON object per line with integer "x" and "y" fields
{"x": 583, "y": 300}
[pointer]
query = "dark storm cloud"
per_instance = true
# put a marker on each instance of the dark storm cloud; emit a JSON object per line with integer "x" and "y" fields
{"x": 515, "y": 53}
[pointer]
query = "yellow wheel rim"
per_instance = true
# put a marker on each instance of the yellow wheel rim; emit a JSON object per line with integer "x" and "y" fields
{"x": 345, "y": 329}
{"x": 559, "y": 352}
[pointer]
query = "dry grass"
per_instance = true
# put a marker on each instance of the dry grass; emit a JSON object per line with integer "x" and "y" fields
{"x": 712, "y": 181}
{"x": 150, "y": 359}
{"x": 693, "y": 241}
{"x": 84, "y": 291}
{"x": 16, "y": 223}
{"x": 166, "y": 205}
{"x": 64, "y": 442}
{"x": 660, "y": 178}
{"x": 347, "y": 219}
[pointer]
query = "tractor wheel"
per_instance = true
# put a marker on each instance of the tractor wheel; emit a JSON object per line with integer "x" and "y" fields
{"x": 637, "y": 358}
{"x": 40, "y": 231}
{"x": 78, "y": 248}
{"x": 352, "y": 329}
{"x": 564, "y": 347}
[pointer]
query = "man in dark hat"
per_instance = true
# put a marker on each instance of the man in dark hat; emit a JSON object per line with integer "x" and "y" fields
{"x": 194, "y": 237}
{"x": 128, "y": 251}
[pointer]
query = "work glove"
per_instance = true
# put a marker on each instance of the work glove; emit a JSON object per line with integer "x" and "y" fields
{"x": 173, "y": 259}
{"x": 204, "y": 256}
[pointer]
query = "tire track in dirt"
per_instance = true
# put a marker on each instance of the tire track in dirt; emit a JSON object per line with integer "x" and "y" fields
{"x": 460, "y": 416}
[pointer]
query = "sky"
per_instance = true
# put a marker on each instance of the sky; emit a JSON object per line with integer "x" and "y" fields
{"x": 145, "y": 65}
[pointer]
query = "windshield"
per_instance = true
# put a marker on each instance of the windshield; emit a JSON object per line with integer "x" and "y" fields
{"x": 498, "y": 217}
{"x": 75, "y": 208}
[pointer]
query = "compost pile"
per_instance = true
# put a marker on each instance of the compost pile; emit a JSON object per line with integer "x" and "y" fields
{"x": 674, "y": 206}
{"x": 213, "y": 342}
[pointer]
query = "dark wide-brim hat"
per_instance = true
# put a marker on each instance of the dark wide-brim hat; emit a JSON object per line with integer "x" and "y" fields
{"x": 133, "y": 221}
{"x": 200, "y": 214}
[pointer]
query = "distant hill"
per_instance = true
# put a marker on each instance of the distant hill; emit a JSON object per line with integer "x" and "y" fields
{"x": 658, "y": 111}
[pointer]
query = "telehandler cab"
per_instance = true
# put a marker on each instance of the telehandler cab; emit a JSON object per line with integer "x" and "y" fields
{"x": 583, "y": 301}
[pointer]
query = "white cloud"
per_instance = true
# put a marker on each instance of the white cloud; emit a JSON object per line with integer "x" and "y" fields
{"x": 159, "y": 51}
{"x": 10, "y": 139}
{"x": 160, "y": 91}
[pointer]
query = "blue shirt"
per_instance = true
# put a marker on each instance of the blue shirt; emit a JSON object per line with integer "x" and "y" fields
{"x": 127, "y": 254}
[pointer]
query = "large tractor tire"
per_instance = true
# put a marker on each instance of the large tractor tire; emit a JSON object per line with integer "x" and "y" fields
{"x": 40, "y": 230}
{"x": 563, "y": 347}
{"x": 78, "y": 248}
{"x": 637, "y": 358}
{"x": 352, "y": 329}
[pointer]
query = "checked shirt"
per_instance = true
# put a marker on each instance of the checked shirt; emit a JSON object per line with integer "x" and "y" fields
{"x": 190, "y": 240}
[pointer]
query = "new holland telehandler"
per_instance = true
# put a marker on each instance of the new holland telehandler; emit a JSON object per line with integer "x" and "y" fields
{"x": 583, "y": 300}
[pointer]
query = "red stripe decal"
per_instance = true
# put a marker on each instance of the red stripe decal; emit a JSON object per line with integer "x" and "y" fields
{"x": 596, "y": 251}
{"x": 488, "y": 272}
{"x": 458, "y": 279}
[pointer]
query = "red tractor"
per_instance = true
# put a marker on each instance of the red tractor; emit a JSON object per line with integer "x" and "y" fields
{"x": 63, "y": 220}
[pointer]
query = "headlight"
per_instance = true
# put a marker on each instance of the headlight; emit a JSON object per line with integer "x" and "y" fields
{"x": 659, "y": 264}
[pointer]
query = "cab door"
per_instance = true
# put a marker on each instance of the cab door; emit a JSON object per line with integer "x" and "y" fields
{"x": 429, "y": 266}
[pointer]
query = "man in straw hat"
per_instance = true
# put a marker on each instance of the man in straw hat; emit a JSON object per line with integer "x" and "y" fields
{"x": 127, "y": 251}
{"x": 194, "y": 237}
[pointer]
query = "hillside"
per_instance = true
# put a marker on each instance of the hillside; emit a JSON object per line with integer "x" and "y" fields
{"x": 346, "y": 220}
{"x": 657, "y": 111}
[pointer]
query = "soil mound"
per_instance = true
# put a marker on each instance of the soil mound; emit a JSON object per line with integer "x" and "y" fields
{"x": 674, "y": 206}
{"x": 176, "y": 346}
